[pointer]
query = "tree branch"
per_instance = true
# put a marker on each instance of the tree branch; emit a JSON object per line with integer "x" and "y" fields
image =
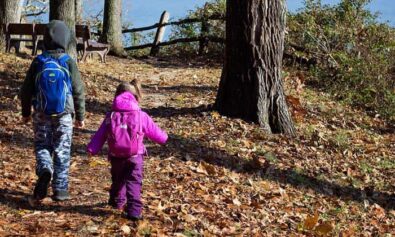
{"x": 42, "y": 11}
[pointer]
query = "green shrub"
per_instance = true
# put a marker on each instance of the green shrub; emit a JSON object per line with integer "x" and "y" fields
{"x": 355, "y": 53}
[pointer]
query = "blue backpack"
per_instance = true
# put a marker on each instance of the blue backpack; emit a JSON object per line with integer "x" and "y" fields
{"x": 53, "y": 84}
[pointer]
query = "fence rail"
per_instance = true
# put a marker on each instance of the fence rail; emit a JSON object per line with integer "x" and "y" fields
{"x": 175, "y": 23}
{"x": 181, "y": 40}
{"x": 203, "y": 39}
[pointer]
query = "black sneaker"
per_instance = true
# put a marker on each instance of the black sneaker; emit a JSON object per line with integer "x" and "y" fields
{"x": 61, "y": 195}
{"x": 111, "y": 202}
{"x": 41, "y": 189}
{"x": 134, "y": 218}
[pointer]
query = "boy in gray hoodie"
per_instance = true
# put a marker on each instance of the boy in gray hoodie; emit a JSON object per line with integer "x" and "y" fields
{"x": 54, "y": 88}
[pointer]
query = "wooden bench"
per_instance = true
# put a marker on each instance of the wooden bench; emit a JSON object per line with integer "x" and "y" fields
{"x": 36, "y": 32}
{"x": 12, "y": 29}
{"x": 88, "y": 46}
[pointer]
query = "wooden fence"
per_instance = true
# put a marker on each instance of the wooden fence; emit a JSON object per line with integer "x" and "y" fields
{"x": 203, "y": 39}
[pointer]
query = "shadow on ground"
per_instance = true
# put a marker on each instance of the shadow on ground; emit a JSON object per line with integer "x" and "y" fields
{"x": 181, "y": 146}
{"x": 18, "y": 200}
{"x": 180, "y": 63}
{"x": 180, "y": 89}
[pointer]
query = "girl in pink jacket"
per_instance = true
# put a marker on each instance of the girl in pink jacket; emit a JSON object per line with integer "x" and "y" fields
{"x": 124, "y": 129}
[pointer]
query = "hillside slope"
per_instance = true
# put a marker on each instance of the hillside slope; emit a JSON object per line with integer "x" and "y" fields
{"x": 216, "y": 176}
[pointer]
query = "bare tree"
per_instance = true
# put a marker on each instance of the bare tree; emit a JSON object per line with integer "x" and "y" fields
{"x": 78, "y": 11}
{"x": 35, "y": 8}
{"x": 10, "y": 12}
{"x": 251, "y": 85}
{"x": 112, "y": 26}
{"x": 65, "y": 10}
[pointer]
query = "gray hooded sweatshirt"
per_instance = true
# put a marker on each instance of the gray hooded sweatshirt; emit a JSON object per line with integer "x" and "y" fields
{"x": 56, "y": 41}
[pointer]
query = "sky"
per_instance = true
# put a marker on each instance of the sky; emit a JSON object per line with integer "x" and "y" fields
{"x": 147, "y": 12}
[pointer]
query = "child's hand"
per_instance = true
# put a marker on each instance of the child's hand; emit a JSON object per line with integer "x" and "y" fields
{"x": 79, "y": 124}
{"x": 90, "y": 155}
{"x": 26, "y": 120}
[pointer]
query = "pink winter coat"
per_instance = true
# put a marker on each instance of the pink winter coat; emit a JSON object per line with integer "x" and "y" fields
{"x": 126, "y": 102}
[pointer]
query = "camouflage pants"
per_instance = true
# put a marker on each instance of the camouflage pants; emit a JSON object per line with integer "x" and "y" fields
{"x": 52, "y": 146}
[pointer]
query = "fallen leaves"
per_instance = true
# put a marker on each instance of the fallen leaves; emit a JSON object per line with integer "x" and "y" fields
{"x": 219, "y": 176}
{"x": 324, "y": 228}
{"x": 98, "y": 162}
{"x": 378, "y": 211}
{"x": 206, "y": 169}
{"x": 311, "y": 221}
{"x": 126, "y": 229}
{"x": 311, "y": 224}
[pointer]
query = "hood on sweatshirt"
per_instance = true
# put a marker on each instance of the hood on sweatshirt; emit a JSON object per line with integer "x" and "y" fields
{"x": 57, "y": 36}
{"x": 125, "y": 102}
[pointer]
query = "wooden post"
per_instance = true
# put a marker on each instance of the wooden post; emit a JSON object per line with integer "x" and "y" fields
{"x": 204, "y": 33}
{"x": 204, "y": 30}
{"x": 160, "y": 33}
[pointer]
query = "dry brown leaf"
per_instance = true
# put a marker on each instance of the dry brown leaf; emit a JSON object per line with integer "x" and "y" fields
{"x": 97, "y": 162}
{"x": 236, "y": 202}
{"x": 126, "y": 229}
{"x": 189, "y": 218}
{"x": 201, "y": 169}
{"x": 349, "y": 232}
{"x": 378, "y": 211}
{"x": 311, "y": 221}
{"x": 324, "y": 228}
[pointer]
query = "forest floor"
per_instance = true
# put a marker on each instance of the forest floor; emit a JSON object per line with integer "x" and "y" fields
{"x": 217, "y": 176}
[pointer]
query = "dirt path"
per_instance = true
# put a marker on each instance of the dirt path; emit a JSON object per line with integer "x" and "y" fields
{"x": 217, "y": 176}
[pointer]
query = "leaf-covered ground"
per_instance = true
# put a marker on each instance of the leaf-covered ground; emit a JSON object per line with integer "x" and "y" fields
{"x": 216, "y": 176}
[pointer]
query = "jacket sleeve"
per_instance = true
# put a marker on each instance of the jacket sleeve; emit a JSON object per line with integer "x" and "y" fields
{"x": 78, "y": 90}
{"x": 98, "y": 139}
{"x": 152, "y": 130}
{"x": 27, "y": 90}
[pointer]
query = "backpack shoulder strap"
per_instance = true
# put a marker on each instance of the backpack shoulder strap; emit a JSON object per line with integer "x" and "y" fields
{"x": 64, "y": 58}
{"x": 63, "y": 61}
{"x": 140, "y": 125}
{"x": 42, "y": 58}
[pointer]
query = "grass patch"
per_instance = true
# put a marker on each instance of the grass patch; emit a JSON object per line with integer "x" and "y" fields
{"x": 366, "y": 168}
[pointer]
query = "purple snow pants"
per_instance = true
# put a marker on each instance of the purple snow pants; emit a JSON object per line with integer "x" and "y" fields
{"x": 127, "y": 176}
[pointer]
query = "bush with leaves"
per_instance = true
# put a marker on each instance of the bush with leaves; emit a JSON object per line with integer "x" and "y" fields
{"x": 355, "y": 53}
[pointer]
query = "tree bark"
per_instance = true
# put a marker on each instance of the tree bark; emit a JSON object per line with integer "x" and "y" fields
{"x": 251, "y": 86}
{"x": 10, "y": 12}
{"x": 112, "y": 26}
{"x": 78, "y": 11}
{"x": 65, "y": 10}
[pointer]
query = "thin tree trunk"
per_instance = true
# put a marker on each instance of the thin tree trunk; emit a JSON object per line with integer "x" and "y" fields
{"x": 78, "y": 11}
{"x": 251, "y": 85}
{"x": 112, "y": 26}
{"x": 10, "y": 12}
{"x": 65, "y": 10}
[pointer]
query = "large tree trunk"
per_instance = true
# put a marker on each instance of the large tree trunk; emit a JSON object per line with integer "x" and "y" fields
{"x": 112, "y": 26}
{"x": 78, "y": 11}
{"x": 65, "y": 10}
{"x": 251, "y": 85}
{"x": 10, "y": 12}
